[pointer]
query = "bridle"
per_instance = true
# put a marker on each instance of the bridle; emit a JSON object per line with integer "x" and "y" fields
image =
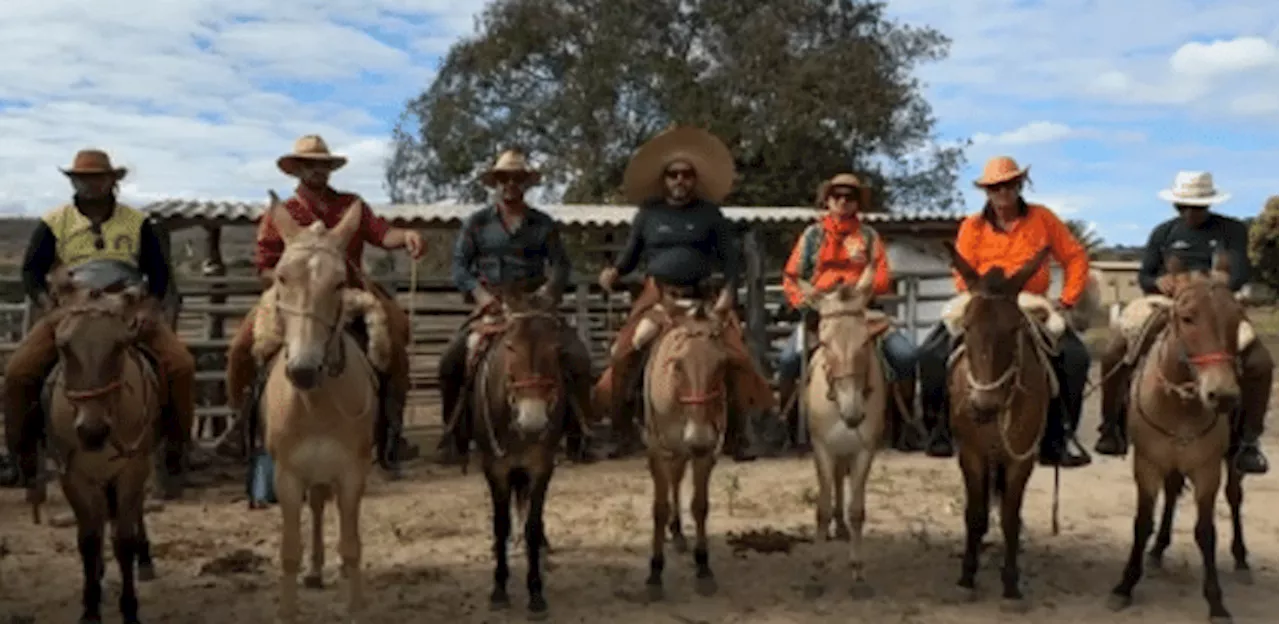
{"x": 832, "y": 375}
{"x": 333, "y": 341}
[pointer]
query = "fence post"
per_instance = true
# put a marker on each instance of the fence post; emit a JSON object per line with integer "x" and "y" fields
{"x": 913, "y": 309}
{"x": 582, "y": 290}
{"x": 757, "y": 313}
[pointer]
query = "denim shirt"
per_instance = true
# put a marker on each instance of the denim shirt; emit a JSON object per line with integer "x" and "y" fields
{"x": 488, "y": 254}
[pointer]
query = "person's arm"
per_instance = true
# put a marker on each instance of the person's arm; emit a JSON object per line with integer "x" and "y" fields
{"x": 882, "y": 283}
{"x": 791, "y": 273}
{"x": 966, "y": 247}
{"x": 152, "y": 261}
{"x": 375, "y": 230}
{"x": 465, "y": 276}
{"x": 1237, "y": 248}
{"x": 41, "y": 254}
{"x": 1071, "y": 255}
{"x": 1152, "y": 266}
{"x": 558, "y": 262}
{"x": 629, "y": 257}
{"x": 268, "y": 247}
{"x": 727, "y": 251}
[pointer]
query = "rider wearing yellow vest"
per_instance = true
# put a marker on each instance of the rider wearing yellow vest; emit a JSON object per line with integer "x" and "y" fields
{"x": 95, "y": 228}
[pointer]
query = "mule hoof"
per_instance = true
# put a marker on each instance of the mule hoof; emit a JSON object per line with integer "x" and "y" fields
{"x": 654, "y": 592}
{"x": 706, "y": 586}
{"x": 842, "y": 533}
{"x": 1244, "y": 576}
{"x": 1119, "y": 602}
{"x": 499, "y": 601}
{"x": 537, "y": 609}
{"x": 146, "y": 572}
{"x": 313, "y": 581}
{"x": 861, "y": 590}
{"x": 966, "y": 594}
{"x": 1220, "y": 619}
{"x": 85, "y": 620}
{"x": 1015, "y": 605}
{"x": 1155, "y": 562}
{"x": 680, "y": 544}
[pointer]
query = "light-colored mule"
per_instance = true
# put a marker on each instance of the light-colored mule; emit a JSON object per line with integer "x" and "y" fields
{"x": 846, "y": 399}
{"x": 320, "y": 398}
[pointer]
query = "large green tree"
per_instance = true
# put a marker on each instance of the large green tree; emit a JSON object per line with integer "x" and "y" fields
{"x": 798, "y": 89}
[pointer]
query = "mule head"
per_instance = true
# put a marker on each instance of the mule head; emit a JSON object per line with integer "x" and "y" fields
{"x": 309, "y": 282}
{"x": 848, "y": 334}
{"x": 91, "y": 338}
{"x": 993, "y": 324}
{"x": 1205, "y": 321}
{"x": 534, "y": 378}
{"x": 698, "y": 365}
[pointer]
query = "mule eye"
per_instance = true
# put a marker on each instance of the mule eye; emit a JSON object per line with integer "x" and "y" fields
{"x": 1188, "y": 319}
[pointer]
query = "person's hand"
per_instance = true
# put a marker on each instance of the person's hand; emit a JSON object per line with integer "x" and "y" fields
{"x": 484, "y": 299}
{"x": 414, "y": 244}
{"x": 608, "y": 278}
{"x": 724, "y": 302}
{"x": 1165, "y": 284}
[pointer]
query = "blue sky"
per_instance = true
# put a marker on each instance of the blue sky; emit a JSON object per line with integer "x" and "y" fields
{"x": 1105, "y": 101}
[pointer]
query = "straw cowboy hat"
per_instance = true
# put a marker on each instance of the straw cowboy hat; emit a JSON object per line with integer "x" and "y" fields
{"x": 510, "y": 161}
{"x": 1194, "y": 188}
{"x": 710, "y": 159}
{"x": 309, "y": 149}
{"x": 848, "y": 180}
{"x": 999, "y": 170}
{"x": 93, "y": 162}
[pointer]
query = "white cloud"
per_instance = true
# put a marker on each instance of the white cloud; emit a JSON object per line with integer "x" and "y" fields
{"x": 1223, "y": 57}
{"x": 1050, "y": 132}
{"x": 199, "y": 97}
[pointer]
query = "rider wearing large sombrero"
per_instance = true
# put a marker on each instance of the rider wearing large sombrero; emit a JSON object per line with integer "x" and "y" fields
{"x": 312, "y": 163}
{"x": 678, "y": 179}
{"x": 96, "y": 238}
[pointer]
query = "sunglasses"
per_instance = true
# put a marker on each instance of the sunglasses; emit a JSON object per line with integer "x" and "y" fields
{"x": 843, "y": 196}
{"x": 505, "y": 178}
{"x": 677, "y": 174}
{"x": 1003, "y": 186}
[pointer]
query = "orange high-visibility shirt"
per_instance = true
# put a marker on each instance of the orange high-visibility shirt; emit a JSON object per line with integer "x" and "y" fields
{"x": 836, "y": 262}
{"x": 986, "y": 247}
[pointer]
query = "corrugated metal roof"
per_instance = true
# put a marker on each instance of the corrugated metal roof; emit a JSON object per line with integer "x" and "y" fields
{"x": 232, "y": 213}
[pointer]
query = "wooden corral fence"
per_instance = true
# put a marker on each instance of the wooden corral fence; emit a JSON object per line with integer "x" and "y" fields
{"x": 213, "y": 307}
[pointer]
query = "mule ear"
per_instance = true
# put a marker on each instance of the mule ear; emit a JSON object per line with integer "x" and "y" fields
{"x": 281, "y": 219}
{"x": 1222, "y": 263}
{"x": 350, "y": 223}
{"x": 1173, "y": 265}
{"x": 967, "y": 273}
{"x": 1024, "y": 273}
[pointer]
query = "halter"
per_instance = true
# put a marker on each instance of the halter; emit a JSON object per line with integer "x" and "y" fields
{"x": 333, "y": 347}
{"x": 715, "y": 398}
{"x": 550, "y": 386}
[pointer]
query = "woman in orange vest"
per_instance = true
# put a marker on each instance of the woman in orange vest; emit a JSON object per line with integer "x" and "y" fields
{"x": 837, "y": 250}
{"x": 1007, "y": 233}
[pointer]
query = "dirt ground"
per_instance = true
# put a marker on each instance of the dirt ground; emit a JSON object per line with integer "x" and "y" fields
{"x": 427, "y": 552}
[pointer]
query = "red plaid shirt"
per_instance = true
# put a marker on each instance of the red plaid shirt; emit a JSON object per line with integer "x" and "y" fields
{"x": 328, "y": 205}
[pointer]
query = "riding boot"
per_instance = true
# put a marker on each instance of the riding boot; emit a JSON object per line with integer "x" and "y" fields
{"x": 789, "y": 411}
{"x": 940, "y": 438}
{"x": 579, "y": 443}
{"x": 1058, "y": 446}
{"x": 626, "y": 405}
{"x": 388, "y": 427}
{"x": 1249, "y": 458}
{"x": 738, "y": 440}
{"x": 1112, "y": 436}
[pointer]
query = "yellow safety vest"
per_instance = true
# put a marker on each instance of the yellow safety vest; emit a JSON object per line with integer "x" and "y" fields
{"x": 77, "y": 244}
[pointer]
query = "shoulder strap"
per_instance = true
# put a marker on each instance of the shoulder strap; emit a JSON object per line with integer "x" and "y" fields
{"x": 869, "y": 236}
{"x": 811, "y": 241}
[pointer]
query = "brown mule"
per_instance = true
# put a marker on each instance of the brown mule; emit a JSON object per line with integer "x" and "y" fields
{"x": 999, "y": 387}
{"x": 685, "y": 420}
{"x": 103, "y": 401}
{"x": 1180, "y": 402}
{"x": 519, "y": 414}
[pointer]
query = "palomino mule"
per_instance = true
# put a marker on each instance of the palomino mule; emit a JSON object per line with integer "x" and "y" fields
{"x": 103, "y": 401}
{"x": 1183, "y": 391}
{"x": 999, "y": 385}
{"x": 846, "y": 402}
{"x": 520, "y": 411}
{"x": 685, "y": 417}
{"x": 318, "y": 404}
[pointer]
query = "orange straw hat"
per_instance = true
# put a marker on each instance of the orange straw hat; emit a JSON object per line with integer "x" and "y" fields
{"x": 999, "y": 170}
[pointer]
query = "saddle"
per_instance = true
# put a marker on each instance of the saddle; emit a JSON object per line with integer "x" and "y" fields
{"x": 1045, "y": 327}
{"x": 1142, "y": 318}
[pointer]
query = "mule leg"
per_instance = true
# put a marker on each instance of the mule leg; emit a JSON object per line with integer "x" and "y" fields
{"x": 824, "y": 465}
{"x": 500, "y": 495}
{"x": 842, "y": 467}
{"x": 130, "y": 497}
{"x": 350, "y": 494}
{"x": 316, "y": 498}
{"x": 1014, "y": 487}
{"x": 289, "y": 494}
{"x": 678, "y": 540}
{"x": 89, "y": 505}
{"x": 1172, "y": 490}
{"x": 1206, "y": 481}
{"x": 977, "y": 517}
{"x": 857, "y": 516}
{"x": 146, "y": 567}
{"x": 534, "y": 542}
{"x": 1148, "y": 479}
{"x": 1235, "y": 499}
{"x": 701, "y": 504}
{"x": 661, "y": 475}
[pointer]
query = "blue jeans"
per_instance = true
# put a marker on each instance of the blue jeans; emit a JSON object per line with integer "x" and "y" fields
{"x": 898, "y": 350}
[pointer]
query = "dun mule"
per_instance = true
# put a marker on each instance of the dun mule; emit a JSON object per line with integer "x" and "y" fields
{"x": 999, "y": 387}
{"x": 520, "y": 414}
{"x": 320, "y": 397}
{"x": 1180, "y": 402}
{"x": 103, "y": 401}
{"x": 685, "y": 417}
{"x": 846, "y": 403}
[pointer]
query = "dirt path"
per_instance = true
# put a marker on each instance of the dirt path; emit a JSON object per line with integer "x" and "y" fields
{"x": 427, "y": 553}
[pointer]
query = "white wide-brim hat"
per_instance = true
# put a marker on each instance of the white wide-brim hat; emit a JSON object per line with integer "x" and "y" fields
{"x": 1194, "y": 188}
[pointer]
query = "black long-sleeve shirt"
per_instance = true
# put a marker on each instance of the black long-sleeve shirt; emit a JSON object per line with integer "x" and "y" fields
{"x": 42, "y": 257}
{"x": 488, "y": 253}
{"x": 1196, "y": 248}
{"x": 682, "y": 246}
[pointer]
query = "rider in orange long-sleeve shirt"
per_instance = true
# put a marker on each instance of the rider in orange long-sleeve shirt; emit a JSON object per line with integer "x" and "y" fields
{"x": 1007, "y": 233}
